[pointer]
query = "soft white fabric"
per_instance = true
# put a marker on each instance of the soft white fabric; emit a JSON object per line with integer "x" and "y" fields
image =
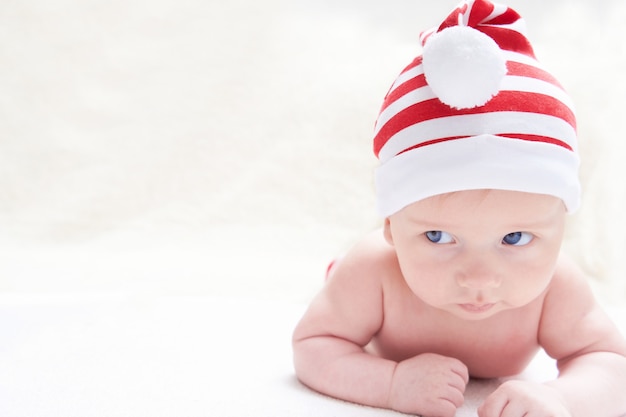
{"x": 114, "y": 355}
{"x": 118, "y": 355}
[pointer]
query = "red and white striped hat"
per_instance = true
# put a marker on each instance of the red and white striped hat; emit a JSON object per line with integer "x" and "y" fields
{"x": 475, "y": 111}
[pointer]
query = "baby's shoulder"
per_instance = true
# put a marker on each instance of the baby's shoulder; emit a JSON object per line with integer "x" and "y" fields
{"x": 568, "y": 278}
{"x": 374, "y": 246}
{"x": 573, "y": 321}
{"x": 371, "y": 259}
{"x": 569, "y": 297}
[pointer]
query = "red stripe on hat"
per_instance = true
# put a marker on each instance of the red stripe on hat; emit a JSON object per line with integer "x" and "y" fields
{"x": 404, "y": 88}
{"x": 508, "y": 39}
{"x": 505, "y": 101}
{"x": 432, "y": 142}
{"x": 453, "y": 18}
{"x": 523, "y": 70}
{"x": 530, "y": 138}
{"x": 509, "y": 17}
{"x": 390, "y": 97}
{"x": 536, "y": 138}
{"x": 479, "y": 12}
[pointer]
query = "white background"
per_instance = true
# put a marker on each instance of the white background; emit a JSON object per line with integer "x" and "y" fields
{"x": 224, "y": 147}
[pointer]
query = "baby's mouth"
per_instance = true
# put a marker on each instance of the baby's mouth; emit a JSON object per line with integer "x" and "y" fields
{"x": 477, "y": 308}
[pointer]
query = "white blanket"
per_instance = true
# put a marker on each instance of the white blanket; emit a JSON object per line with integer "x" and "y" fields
{"x": 77, "y": 356}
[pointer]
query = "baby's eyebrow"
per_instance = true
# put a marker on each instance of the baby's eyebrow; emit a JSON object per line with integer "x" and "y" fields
{"x": 540, "y": 222}
{"x": 431, "y": 224}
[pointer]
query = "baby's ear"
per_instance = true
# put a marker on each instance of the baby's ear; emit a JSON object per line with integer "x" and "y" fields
{"x": 387, "y": 231}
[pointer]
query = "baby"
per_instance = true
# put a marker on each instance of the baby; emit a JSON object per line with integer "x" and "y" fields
{"x": 478, "y": 170}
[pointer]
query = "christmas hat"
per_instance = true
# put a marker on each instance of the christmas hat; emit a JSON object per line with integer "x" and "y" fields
{"x": 475, "y": 111}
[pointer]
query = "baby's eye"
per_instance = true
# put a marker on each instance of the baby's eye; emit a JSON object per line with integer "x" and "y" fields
{"x": 517, "y": 239}
{"x": 437, "y": 236}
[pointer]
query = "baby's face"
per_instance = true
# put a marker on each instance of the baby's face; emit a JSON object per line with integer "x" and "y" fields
{"x": 476, "y": 253}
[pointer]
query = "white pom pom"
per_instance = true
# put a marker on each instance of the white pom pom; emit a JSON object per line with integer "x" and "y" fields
{"x": 463, "y": 66}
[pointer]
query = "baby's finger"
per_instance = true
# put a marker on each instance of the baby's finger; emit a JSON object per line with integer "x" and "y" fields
{"x": 493, "y": 406}
{"x": 457, "y": 382}
{"x": 461, "y": 370}
{"x": 454, "y": 396}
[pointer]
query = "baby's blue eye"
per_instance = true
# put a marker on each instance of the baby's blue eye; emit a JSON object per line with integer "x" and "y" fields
{"x": 437, "y": 236}
{"x": 517, "y": 239}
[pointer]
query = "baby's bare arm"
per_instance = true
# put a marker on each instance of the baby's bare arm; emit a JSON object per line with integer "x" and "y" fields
{"x": 329, "y": 341}
{"x": 329, "y": 345}
{"x": 590, "y": 350}
{"x": 590, "y": 353}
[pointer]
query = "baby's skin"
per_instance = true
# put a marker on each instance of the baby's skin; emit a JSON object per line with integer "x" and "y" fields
{"x": 460, "y": 285}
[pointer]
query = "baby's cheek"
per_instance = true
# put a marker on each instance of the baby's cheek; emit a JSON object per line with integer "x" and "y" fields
{"x": 433, "y": 289}
{"x": 527, "y": 289}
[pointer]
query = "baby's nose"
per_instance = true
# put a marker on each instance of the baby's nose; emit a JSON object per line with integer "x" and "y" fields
{"x": 479, "y": 275}
{"x": 476, "y": 281}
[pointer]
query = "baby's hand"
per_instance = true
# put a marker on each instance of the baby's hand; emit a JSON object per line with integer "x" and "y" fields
{"x": 521, "y": 398}
{"x": 430, "y": 385}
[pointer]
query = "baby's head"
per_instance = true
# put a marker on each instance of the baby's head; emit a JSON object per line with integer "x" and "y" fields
{"x": 475, "y": 111}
